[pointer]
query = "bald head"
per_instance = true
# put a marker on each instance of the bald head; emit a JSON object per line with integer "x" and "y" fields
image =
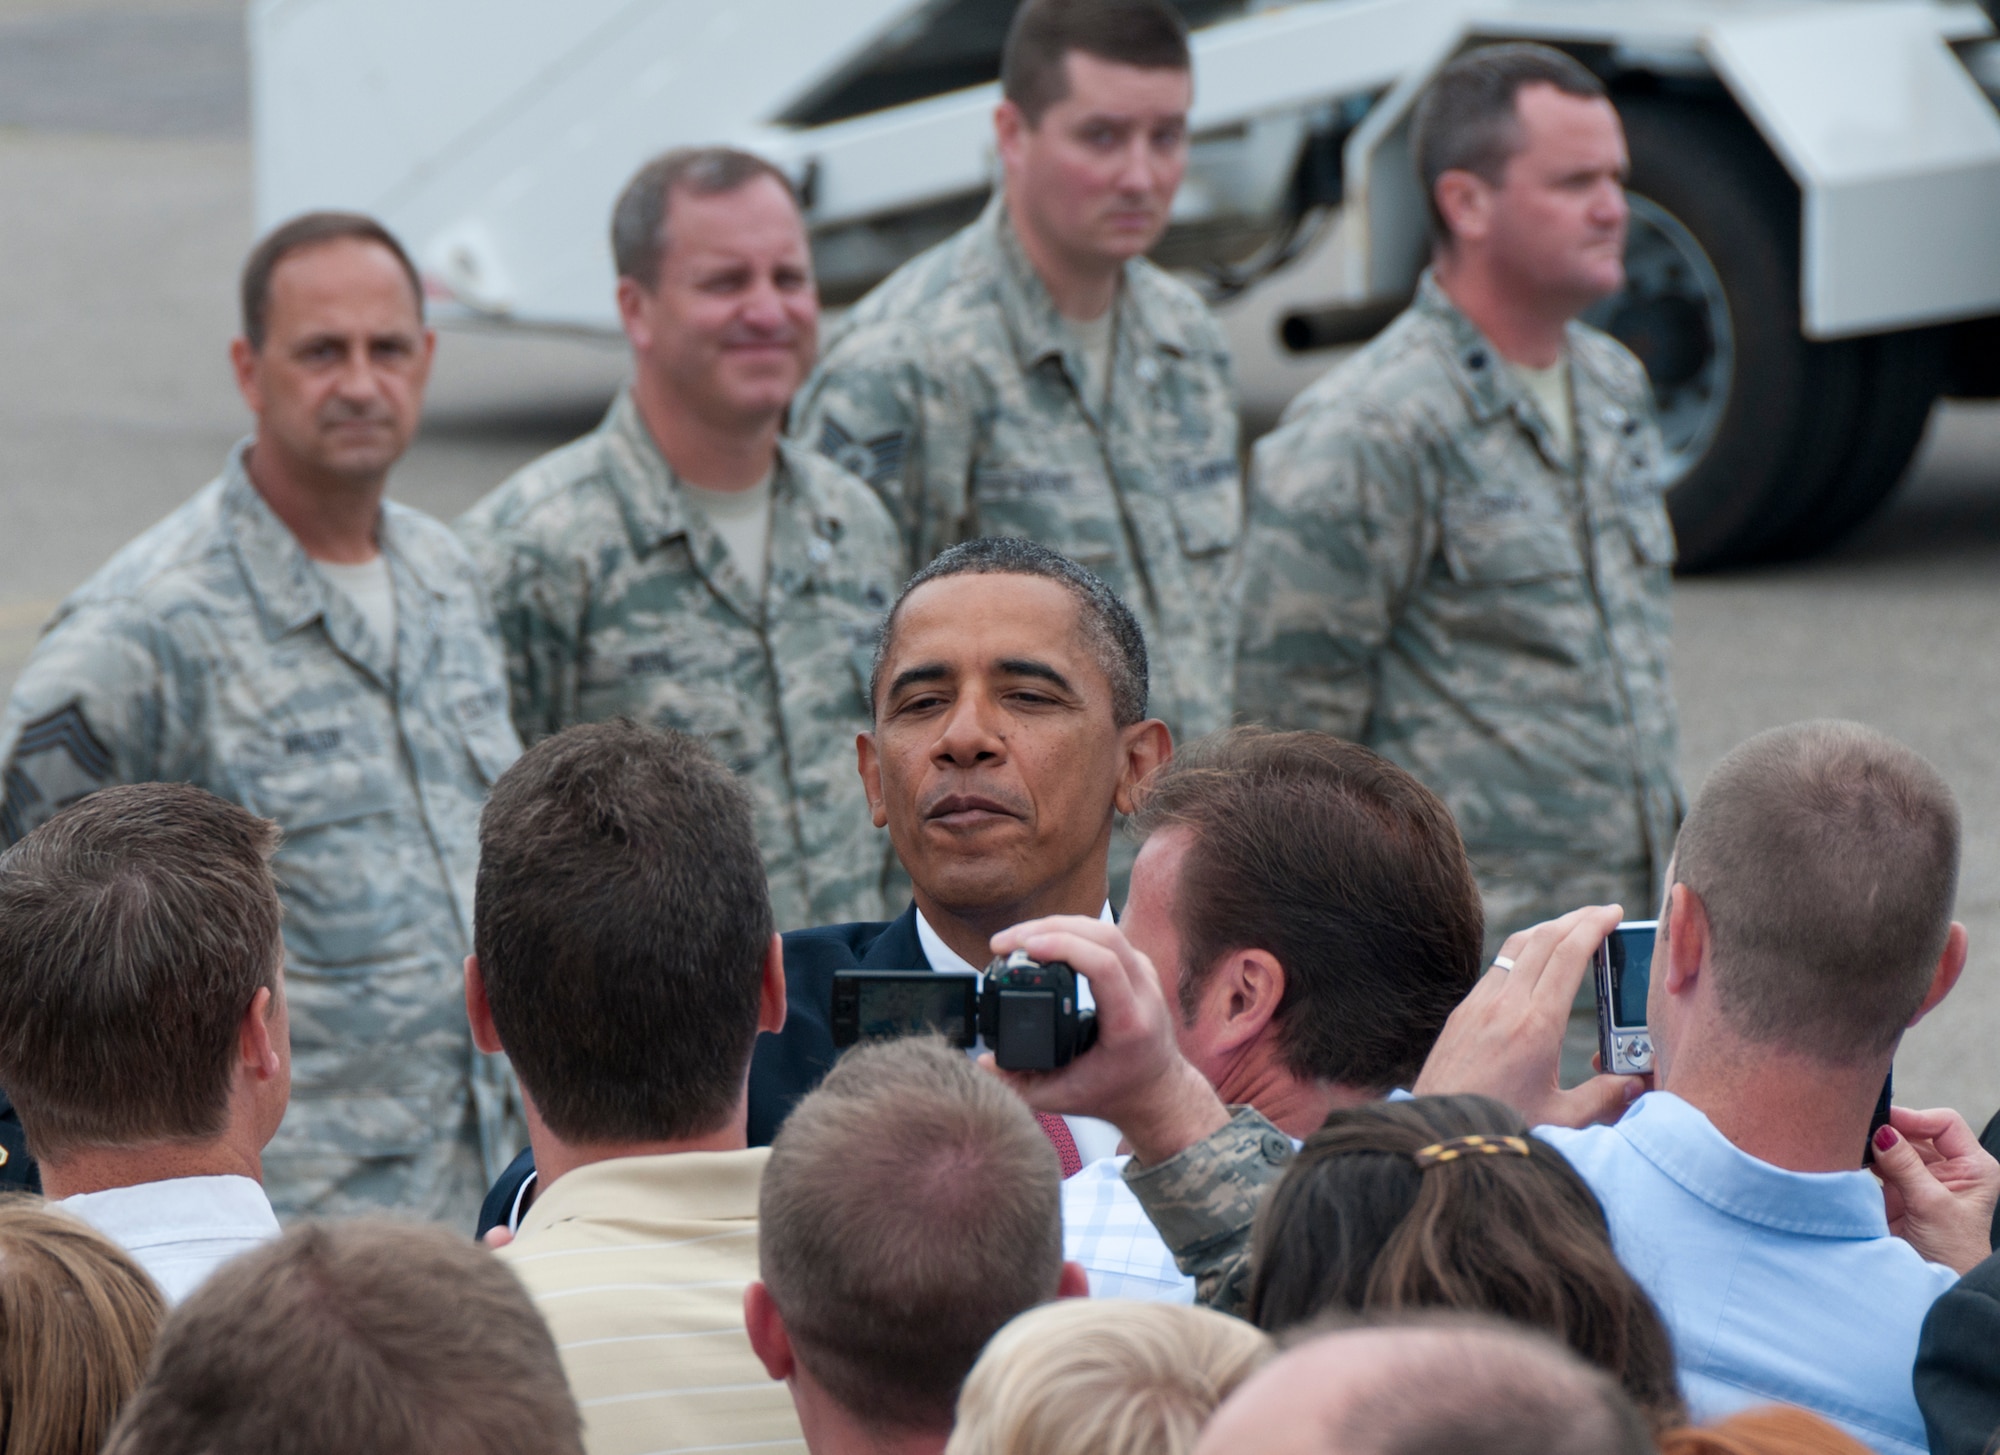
{"x": 1429, "y": 1387}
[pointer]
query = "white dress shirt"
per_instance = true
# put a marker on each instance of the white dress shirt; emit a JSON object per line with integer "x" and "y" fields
{"x": 182, "y": 1229}
{"x": 1094, "y": 1139}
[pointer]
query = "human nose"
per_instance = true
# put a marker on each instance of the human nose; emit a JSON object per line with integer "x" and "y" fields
{"x": 1138, "y": 166}
{"x": 764, "y": 307}
{"x": 357, "y": 380}
{"x": 1612, "y": 208}
{"x": 970, "y": 732}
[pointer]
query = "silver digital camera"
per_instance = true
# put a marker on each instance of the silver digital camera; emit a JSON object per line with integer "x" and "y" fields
{"x": 1624, "y": 969}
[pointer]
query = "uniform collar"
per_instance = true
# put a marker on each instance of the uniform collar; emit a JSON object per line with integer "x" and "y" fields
{"x": 666, "y": 1187}
{"x": 1493, "y": 387}
{"x": 1037, "y": 329}
{"x": 290, "y": 593}
{"x": 1683, "y": 1143}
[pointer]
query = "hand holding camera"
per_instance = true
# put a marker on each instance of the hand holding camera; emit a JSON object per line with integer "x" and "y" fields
{"x": 1134, "y": 1076}
{"x": 1505, "y": 1039}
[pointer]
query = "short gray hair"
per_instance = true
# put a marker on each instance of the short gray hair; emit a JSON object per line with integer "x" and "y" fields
{"x": 1826, "y": 857}
{"x": 639, "y": 220}
{"x": 1107, "y": 623}
{"x": 911, "y": 1207}
{"x": 1468, "y": 120}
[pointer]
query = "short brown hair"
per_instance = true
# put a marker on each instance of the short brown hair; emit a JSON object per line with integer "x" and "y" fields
{"x": 1148, "y": 34}
{"x": 394, "y": 1338}
{"x": 77, "y": 1320}
{"x": 310, "y": 229}
{"x": 621, "y": 920}
{"x": 1488, "y": 1386}
{"x": 1104, "y": 1377}
{"x": 1826, "y": 858}
{"x": 911, "y": 1207}
{"x": 1468, "y": 120}
{"x": 1357, "y": 1226}
{"x": 639, "y": 219}
{"x": 1347, "y": 870}
{"x": 136, "y": 927}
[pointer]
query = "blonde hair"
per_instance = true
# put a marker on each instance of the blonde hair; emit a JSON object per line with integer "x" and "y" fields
{"x": 1774, "y": 1430}
{"x": 77, "y": 1320}
{"x": 1103, "y": 1377}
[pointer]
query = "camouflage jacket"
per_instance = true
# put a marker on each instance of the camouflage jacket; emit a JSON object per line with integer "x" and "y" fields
{"x": 956, "y": 389}
{"x": 1203, "y": 1201}
{"x": 210, "y": 651}
{"x": 615, "y": 597}
{"x": 1433, "y": 578}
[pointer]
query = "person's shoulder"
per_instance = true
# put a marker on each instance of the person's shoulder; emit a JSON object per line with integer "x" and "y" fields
{"x": 1172, "y": 300}
{"x": 838, "y": 947}
{"x": 431, "y": 547}
{"x": 831, "y": 489}
{"x": 953, "y": 270}
{"x": 165, "y": 561}
{"x": 1607, "y": 363}
{"x": 1400, "y": 371}
{"x": 569, "y": 491}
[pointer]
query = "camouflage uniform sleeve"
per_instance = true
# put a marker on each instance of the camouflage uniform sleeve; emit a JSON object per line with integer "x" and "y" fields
{"x": 97, "y": 704}
{"x": 537, "y": 604}
{"x": 1338, "y": 536}
{"x": 878, "y": 410}
{"x": 1204, "y": 1198}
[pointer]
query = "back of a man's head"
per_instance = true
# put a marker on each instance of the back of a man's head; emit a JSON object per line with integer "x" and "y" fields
{"x": 393, "y": 1338}
{"x": 910, "y": 1208}
{"x": 1429, "y": 1386}
{"x": 1825, "y": 856}
{"x": 136, "y": 928}
{"x": 621, "y": 923}
{"x": 1342, "y": 866}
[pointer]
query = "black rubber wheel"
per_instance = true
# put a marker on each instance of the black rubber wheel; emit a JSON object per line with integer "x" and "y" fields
{"x": 1758, "y": 419}
{"x": 1904, "y": 373}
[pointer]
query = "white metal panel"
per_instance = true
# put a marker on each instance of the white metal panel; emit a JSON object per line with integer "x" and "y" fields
{"x": 1896, "y": 149}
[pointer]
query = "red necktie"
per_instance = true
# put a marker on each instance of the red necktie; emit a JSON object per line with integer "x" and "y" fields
{"x": 1057, "y": 1131}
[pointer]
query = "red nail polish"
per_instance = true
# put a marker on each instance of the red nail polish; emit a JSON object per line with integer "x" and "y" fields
{"x": 1885, "y": 1137}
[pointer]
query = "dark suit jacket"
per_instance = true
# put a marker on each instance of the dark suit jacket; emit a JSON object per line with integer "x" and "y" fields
{"x": 786, "y": 1066}
{"x": 1958, "y": 1364}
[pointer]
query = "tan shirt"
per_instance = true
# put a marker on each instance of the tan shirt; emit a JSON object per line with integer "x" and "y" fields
{"x": 639, "y": 1265}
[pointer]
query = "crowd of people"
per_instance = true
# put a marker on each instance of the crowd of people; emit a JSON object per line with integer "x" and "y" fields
{"x": 966, "y": 635}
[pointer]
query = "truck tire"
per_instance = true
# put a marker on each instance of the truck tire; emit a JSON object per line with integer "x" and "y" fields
{"x": 1904, "y": 374}
{"x": 1760, "y": 422}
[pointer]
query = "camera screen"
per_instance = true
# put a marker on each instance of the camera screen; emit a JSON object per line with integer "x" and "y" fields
{"x": 1630, "y": 949}
{"x": 915, "y": 1007}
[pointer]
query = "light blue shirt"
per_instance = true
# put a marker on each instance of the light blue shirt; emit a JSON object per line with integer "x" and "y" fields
{"x": 1777, "y": 1286}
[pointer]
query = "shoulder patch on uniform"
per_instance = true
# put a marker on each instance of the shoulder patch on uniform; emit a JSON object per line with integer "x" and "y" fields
{"x": 876, "y": 461}
{"x": 57, "y": 760}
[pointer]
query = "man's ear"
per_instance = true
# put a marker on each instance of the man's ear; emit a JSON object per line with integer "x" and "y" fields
{"x": 256, "y": 1039}
{"x": 771, "y": 994}
{"x": 1009, "y": 128}
{"x": 1950, "y": 965}
{"x": 1241, "y": 996}
{"x": 477, "y": 1010}
{"x": 1465, "y": 200}
{"x": 1685, "y": 938}
{"x": 1146, "y": 745}
{"x": 243, "y": 364}
{"x": 632, "y": 300}
{"x": 1072, "y": 1282}
{"x": 766, "y": 1327}
{"x": 868, "y": 762}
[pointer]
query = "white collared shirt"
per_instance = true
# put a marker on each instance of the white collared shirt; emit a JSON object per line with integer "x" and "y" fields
{"x": 181, "y": 1229}
{"x": 1094, "y": 1139}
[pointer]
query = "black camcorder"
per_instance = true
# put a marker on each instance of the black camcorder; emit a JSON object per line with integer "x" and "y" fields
{"x": 1029, "y": 1016}
{"x": 1026, "y": 1012}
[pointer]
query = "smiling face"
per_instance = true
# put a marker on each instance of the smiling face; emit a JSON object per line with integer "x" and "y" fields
{"x": 731, "y": 327}
{"x": 995, "y": 762}
{"x": 338, "y": 382}
{"x": 1095, "y": 178}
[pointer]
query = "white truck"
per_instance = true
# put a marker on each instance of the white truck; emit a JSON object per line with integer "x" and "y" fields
{"x": 1815, "y": 246}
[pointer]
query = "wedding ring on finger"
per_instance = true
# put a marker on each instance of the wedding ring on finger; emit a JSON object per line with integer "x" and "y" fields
{"x": 1501, "y": 962}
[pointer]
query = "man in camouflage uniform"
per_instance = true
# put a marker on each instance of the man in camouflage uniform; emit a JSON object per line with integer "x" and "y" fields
{"x": 684, "y": 565}
{"x": 1462, "y": 556}
{"x": 1036, "y": 376}
{"x": 291, "y": 642}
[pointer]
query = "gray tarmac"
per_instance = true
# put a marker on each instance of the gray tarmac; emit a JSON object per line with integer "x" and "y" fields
{"x": 125, "y": 210}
